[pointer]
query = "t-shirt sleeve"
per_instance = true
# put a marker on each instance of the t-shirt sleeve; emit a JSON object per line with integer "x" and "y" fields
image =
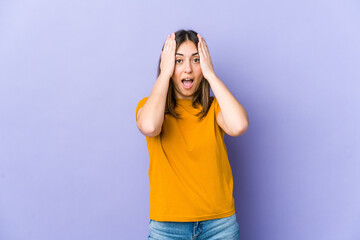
{"x": 140, "y": 105}
{"x": 217, "y": 109}
{"x": 216, "y": 106}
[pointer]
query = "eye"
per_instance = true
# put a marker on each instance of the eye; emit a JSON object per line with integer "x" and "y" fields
{"x": 196, "y": 60}
{"x": 178, "y": 60}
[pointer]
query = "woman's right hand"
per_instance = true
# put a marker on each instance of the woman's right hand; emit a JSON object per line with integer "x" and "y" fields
{"x": 167, "y": 64}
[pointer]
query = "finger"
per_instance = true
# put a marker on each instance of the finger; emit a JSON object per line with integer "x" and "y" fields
{"x": 174, "y": 45}
{"x": 201, "y": 50}
{"x": 206, "y": 50}
{"x": 205, "y": 53}
{"x": 174, "y": 41}
{"x": 163, "y": 48}
{"x": 167, "y": 42}
{"x": 199, "y": 37}
{"x": 202, "y": 43}
{"x": 171, "y": 37}
{"x": 171, "y": 40}
{"x": 199, "y": 46}
{"x": 170, "y": 44}
{"x": 203, "y": 47}
{"x": 202, "y": 40}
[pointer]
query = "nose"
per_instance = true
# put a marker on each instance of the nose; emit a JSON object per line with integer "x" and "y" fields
{"x": 187, "y": 66}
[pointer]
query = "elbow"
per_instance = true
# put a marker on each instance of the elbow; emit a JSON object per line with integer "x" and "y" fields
{"x": 241, "y": 130}
{"x": 148, "y": 130}
{"x": 153, "y": 133}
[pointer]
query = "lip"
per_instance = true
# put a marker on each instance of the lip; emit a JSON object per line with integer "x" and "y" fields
{"x": 189, "y": 86}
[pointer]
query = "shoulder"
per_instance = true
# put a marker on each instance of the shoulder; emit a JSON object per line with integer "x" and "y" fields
{"x": 142, "y": 102}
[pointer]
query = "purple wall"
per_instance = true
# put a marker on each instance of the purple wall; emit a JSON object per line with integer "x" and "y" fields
{"x": 73, "y": 164}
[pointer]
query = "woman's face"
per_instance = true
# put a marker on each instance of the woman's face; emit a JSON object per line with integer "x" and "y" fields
{"x": 187, "y": 66}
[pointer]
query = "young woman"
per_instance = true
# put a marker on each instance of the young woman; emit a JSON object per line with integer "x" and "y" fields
{"x": 191, "y": 182}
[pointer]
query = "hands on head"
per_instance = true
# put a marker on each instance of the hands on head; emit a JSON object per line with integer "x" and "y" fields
{"x": 167, "y": 64}
{"x": 207, "y": 67}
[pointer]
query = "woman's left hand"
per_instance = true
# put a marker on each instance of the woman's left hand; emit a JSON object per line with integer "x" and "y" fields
{"x": 205, "y": 60}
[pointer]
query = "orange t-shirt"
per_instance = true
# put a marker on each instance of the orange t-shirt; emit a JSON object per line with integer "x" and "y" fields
{"x": 189, "y": 172}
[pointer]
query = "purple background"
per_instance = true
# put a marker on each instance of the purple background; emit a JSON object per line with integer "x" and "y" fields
{"x": 73, "y": 164}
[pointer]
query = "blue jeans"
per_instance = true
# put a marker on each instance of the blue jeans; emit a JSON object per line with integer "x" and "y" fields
{"x": 223, "y": 228}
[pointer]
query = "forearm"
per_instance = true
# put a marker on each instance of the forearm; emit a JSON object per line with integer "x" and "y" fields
{"x": 234, "y": 114}
{"x": 151, "y": 117}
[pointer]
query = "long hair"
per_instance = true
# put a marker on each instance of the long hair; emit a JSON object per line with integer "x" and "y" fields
{"x": 202, "y": 94}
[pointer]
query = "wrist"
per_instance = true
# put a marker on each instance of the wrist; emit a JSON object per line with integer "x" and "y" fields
{"x": 210, "y": 76}
{"x": 164, "y": 75}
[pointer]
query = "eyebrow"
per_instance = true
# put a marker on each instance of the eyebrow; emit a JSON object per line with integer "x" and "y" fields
{"x": 191, "y": 54}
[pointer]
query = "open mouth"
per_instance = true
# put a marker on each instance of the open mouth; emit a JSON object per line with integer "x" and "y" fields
{"x": 187, "y": 83}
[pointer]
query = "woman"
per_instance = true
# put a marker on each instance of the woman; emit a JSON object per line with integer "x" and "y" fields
{"x": 191, "y": 182}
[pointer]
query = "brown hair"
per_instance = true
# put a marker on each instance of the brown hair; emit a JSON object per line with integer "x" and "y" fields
{"x": 202, "y": 94}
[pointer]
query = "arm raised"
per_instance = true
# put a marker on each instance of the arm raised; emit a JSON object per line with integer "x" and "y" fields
{"x": 150, "y": 117}
{"x": 232, "y": 118}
